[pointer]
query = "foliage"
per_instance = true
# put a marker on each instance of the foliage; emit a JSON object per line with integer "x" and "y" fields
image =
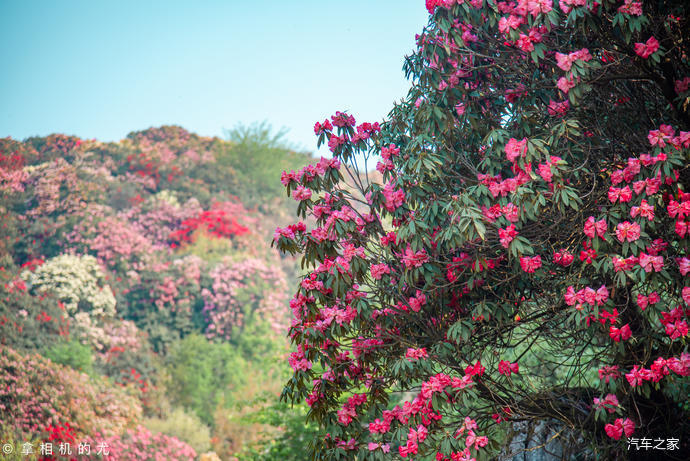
{"x": 72, "y": 354}
{"x": 286, "y": 432}
{"x": 183, "y": 426}
{"x": 535, "y": 268}
{"x": 28, "y": 322}
{"x": 202, "y": 374}
{"x": 257, "y": 156}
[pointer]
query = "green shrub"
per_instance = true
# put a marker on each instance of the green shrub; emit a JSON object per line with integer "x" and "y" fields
{"x": 203, "y": 373}
{"x": 73, "y": 354}
{"x": 184, "y": 426}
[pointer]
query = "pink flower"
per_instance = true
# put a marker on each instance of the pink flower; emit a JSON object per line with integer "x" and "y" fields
{"x": 631, "y": 7}
{"x": 610, "y": 403}
{"x": 475, "y": 370}
{"x": 530, "y": 265}
{"x": 642, "y": 301}
{"x": 557, "y": 109}
{"x": 414, "y": 259}
{"x": 570, "y": 296}
{"x": 301, "y": 193}
{"x": 394, "y": 197}
{"x": 565, "y": 61}
{"x": 614, "y": 431}
{"x": 545, "y": 172}
{"x": 507, "y": 235}
{"x": 627, "y": 231}
{"x": 567, "y": 5}
{"x": 335, "y": 141}
{"x": 680, "y": 210}
{"x": 628, "y": 427}
{"x": 524, "y": 42}
{"x": 620, "y": 334}
{"x": 506, "y": 368}
{"x": 623, "y": 194}
{"x": 620, "y": 426}
{"x": 416, "y": 354}
{"x": 636, "y": 376}
{"x": 515, "y": 148}
{"x": 510, "y": 211}
{"x": 677, "y": 329}
{"x": 651, "y": 263}
{"x": 417, "y": 301}
{"x": 563, "y": 257}
{"x": 377, "y": 270}
{"x": 609, "y": 372}
{"x": 645, "y": 210}
{"x": 565, "y": 84}
{"x": 593, "y": 227}
{"x": 684, "y": 265}
{"x": 617, "y": 177}
{"x": 645, "y": 50}
{"x": 511, "y": 22}
{"x": 601, "y": 295}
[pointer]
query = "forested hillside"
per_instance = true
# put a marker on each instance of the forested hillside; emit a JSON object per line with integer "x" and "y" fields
{"x": 140, "y": 305}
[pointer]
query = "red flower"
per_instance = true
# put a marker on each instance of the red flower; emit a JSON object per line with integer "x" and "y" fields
{"x": 506, "y": 368}
{"x": 648, "y": 48}
{"x": 563, "y": 257}
{"x": 515, "y": 148}
{"x": 623, "y": 333}
{"x": 507, "y": 235}
{"x": 627, "y": 231}
{"x": 530, "y": 265}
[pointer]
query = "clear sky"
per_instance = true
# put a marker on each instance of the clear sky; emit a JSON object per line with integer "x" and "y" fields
{"x": 100, "y": 69}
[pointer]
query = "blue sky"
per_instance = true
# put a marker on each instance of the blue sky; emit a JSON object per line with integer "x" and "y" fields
{"x": 102, "y": 69}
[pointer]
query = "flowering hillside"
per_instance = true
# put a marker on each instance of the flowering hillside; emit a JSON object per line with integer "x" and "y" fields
{"x": 131, "y": 273}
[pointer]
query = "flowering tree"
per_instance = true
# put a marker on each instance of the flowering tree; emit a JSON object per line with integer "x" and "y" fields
{"x": 241, "y": 290}
{"x": 78, "y": 281}
{"x": 525, "y": 258}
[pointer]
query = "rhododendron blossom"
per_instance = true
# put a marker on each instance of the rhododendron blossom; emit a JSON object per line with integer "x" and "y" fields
{"x": 515, "y": 149}
{"x": 595, "y": 228}
{"x": 530, "y": 264}
{"x": 619, "y": 427}
{"x": 507, "y": 235}
{"x": 627, "y": 231}
{"x": 645, "y": 50}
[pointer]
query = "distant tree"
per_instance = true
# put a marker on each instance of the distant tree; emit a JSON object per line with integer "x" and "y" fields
{"x": 257, "y": 155}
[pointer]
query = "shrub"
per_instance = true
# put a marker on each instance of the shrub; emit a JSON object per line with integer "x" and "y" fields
{"x": 77, "y": 281}
{"x": 183, "y": 426}
{"x": 34, "y": 393}
{"x": 72, "y": 354}
{"x": 140, "y": 443}
{"x": 202, "y": 374}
